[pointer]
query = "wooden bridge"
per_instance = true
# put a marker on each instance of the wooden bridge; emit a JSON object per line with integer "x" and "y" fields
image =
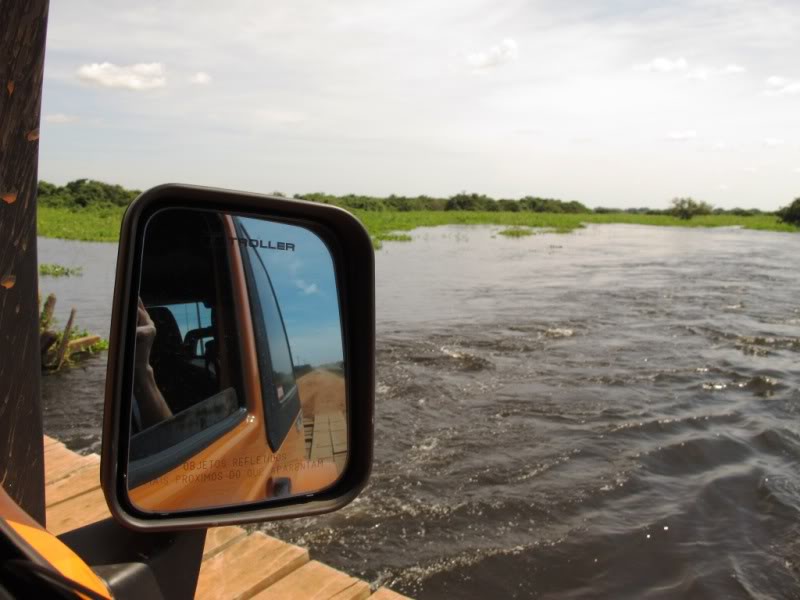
{"x": 285, "y": 571}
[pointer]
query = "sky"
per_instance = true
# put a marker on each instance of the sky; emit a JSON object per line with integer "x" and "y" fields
{"x": 304, "y": 281}
{"x": 624, "y": 103}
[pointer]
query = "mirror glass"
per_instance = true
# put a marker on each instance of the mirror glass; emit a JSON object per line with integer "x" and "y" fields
{"x": 238, "y": 371}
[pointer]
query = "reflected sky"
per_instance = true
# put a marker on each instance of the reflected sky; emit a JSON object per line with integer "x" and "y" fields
{"x": 305, "y": 285}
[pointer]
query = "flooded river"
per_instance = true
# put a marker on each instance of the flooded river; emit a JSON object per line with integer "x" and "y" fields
{"x": 609, "y": 413}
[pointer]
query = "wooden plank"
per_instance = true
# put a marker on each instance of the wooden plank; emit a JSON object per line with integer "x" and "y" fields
{"x": 340, "y": 460}
{"x": 219, "y": 538}
{"x": 235, "y": 565}
{"x": 76, "y": 483}
{"x": 321, "y": 452}
{"x": 387, "y": 594}
{"x": 57, "y": 447}
{"x": 338, "y": 422}
{"x": 321, "y": 424}
{"x": 248, "y": 566}
{"x": 339, "y": 439}
{"x": 316, "y": 581}
{"x": 321, "y": 443}
{"x": 80, "y": 344}
{"x": 60, "y": 462}
{"x": 77, "y": 512}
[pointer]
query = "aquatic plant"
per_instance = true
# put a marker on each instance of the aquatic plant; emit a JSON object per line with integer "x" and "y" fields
{"x": 517, "y": 232}
{"x": 394, "y": 237}
{"x": 61, "y": 348}
{"x": 56, "y": 270}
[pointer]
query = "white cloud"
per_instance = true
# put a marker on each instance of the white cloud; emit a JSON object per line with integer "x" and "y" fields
{"x": 797, "y": 170}
{"x": 750, "y": 170}
{"x": 721, "y": 146}
{"x": 138, "y": 77}
{"x": 200, "y": 78}
{"x": 269, "y": 115}
{"x": 682, "y": 136}
{"x": 495, "y": 56}
{"x": 771, "y": 142}
{"x": 781, "y": 86}
{"x": 698, "y": 74}
{"x": 789, "y": 89}
{"x": 702, "y": 73}
{"x": 60, "y": 118}
{"x": 732, "y": 69}
{"x": 663, "y": 65}
{"x": 776, "y": 81}
{"x": 307, "y": 288}
{"x": 723, "y": 187}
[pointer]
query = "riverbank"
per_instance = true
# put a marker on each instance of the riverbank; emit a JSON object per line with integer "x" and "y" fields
{"x": 102, "y": 224}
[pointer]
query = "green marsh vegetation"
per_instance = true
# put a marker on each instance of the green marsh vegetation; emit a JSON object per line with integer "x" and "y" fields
{"x": 82, "y": 210}
{"x": 92, "y": 211}
{"x": 517, "y": 232}
{"x": 56, "y": 270}
{"x": 60, "y": 348}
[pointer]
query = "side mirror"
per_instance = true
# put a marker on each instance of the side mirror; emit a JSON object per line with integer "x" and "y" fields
{"x": 241, "y": 366}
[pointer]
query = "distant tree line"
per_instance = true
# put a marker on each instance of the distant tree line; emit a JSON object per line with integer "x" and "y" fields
{"x": 462, "y": 201}
{"x": 791, "y": 213}
{"x": 684, "y": 208}
{"x": 83, "y": 193}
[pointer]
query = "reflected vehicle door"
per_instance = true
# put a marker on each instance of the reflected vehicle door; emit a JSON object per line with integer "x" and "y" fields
{"x": 275, "y": 364}
{"x": 253, "y": 448}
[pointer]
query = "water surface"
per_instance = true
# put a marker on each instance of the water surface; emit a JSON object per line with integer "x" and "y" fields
{"x": 607, "y": 413}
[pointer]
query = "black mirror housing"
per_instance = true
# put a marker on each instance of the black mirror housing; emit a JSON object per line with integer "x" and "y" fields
{"x": 352, "y": 259}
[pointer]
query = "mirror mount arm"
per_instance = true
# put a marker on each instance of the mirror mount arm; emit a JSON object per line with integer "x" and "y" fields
{"x": 138, "y": 564}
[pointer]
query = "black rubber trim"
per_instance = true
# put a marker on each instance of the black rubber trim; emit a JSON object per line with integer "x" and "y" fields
{"x": 137, "y": 564}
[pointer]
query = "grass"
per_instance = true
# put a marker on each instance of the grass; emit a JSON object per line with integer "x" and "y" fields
{"x": 102, "y": 225}
{"x": 55, "y": 270}
{"x": 517, "y": 232}
{"x": 89, "y": 225}
{"x": 394, "y": 237}
{"x": 381, "y": 223}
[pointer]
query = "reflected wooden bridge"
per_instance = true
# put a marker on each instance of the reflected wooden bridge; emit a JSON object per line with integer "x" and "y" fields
{"x": 283, "y": 571}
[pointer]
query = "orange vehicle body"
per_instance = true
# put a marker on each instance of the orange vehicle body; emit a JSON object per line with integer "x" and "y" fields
{"x": 33, "y": 539}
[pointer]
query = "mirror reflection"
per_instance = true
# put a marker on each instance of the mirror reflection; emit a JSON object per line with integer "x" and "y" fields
{"x": 238, "y": 371}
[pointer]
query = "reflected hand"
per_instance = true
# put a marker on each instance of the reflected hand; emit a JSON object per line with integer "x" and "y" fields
{"x": 145, "y": 335}
{"x": 152, "y": 406}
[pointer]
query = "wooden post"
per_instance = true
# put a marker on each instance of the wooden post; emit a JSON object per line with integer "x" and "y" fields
{"x": 62, "y": 349}
{"x": 47, "y": 312}
{"x": 23, "y": 27}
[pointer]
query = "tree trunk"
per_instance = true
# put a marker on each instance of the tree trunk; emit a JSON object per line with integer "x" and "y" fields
{"x": 23, "y": 26}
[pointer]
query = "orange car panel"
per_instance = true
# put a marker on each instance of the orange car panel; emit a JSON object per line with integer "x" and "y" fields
{"x": 49, "y": 547}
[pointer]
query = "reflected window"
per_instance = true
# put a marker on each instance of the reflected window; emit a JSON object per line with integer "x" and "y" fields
{"x": 194, "y": 323}
{"x": 276, "y": 367}
{"x": 196, "y": 388}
